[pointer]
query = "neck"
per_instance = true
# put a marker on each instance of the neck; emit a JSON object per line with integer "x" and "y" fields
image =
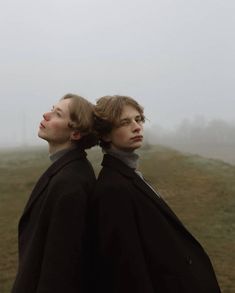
{"x": 56, "y": 148}
{"x": 129, "y": 158}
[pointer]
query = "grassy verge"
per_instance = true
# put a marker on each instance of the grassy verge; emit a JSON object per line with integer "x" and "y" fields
{"x": 201, "y": 192}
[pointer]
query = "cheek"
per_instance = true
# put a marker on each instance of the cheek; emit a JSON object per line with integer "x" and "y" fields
{"x": 60, "y": 126}
{"x": 59, "y": 130}
{"x": 120, "y": 135}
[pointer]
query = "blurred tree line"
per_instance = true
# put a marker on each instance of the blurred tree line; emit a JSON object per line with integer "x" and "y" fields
{"x": 215, "y": 138}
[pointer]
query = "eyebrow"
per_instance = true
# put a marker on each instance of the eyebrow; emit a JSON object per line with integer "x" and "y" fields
{"x": 128, "y": 118}
{"x": 57, "y": 109}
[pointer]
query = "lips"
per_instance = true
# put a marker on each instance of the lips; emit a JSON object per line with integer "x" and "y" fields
{"x": 138, "y": 137}
{"x": 42, "y": 126}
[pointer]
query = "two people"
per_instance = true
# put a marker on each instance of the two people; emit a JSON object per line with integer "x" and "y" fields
{"x": 115, "y": 234}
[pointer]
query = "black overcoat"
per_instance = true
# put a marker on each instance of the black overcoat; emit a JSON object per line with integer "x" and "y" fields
{"x": 51, "y": 229}
{"x": 139, "y": 244}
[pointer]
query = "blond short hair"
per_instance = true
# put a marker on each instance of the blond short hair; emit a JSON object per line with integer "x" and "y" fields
{"x": 108, "y": 110}
{"x": 82, "y": 119}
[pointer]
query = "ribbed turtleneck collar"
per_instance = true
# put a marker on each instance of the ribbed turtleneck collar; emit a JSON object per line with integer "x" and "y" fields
{"x": 57, "y": 155}
{"x": 129, "y": 158}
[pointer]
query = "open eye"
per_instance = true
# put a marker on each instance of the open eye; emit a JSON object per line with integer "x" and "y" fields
{"x": 139, "y": 119}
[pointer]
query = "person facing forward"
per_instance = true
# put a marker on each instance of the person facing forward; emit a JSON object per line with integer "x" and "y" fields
{"x": 139, "y": 245}
{"x": 53, "y": 224}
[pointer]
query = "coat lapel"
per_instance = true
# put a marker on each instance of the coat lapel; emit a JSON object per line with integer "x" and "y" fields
{"x": 155, "y": 198}
{"x": 146, "y": 190}
{"x": 139, "y": 183}
{"x": 38, "y": 189}
{"x": 44, "y": 180}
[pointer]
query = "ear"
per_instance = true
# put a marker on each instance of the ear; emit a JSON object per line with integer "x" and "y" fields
{"x": 75, "y": 135}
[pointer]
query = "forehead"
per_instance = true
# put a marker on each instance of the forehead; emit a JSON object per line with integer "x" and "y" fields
{"x": 63, "y": 105}
{"x": 129, "y": 111}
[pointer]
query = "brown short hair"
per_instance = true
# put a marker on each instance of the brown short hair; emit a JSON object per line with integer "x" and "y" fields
{"x": 108, "y": 110}
{"x": 82, "y": 119}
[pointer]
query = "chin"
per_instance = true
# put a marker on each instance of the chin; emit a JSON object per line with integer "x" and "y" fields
{"x": 137, "y": 145}
{"x": 40, "y": 135}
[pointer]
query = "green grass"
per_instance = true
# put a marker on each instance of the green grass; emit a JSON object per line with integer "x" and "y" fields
{"x": 18, "y": 173}
{"x": 201, "y": 192}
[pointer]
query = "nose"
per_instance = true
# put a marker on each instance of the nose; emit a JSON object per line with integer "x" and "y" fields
{"x": 46, "y": 116}
{"x": 136, "y": 126}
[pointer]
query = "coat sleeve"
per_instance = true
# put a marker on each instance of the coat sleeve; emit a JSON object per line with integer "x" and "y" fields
{"x": 62, "y": 258}
{"x": 121, "y": 265}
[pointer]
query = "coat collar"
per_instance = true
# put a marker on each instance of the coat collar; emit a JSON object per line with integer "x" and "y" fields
{"x": 115, "y": 163}
{"x": 74, "y": 154}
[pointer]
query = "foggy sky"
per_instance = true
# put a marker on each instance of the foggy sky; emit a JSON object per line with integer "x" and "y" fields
{"x": 176, "y": 57}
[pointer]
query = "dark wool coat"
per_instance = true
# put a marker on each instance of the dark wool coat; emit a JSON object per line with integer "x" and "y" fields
{"x": 139, "y": 244}
{"x": 51, "y": 229}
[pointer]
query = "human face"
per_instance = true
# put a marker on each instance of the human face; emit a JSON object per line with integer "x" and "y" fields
{"x": 128, "y": 136}
{"x": 54, "y": 126}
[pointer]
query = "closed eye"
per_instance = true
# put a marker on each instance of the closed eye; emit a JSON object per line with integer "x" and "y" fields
{"x": 58, "y": 114}
{"x": 57, "y": 111}
{"x": 125, "y": 122}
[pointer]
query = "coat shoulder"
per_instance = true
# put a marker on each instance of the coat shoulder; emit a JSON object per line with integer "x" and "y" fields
{"x": 113, "y": 186}
{"x": 75, "y": 180}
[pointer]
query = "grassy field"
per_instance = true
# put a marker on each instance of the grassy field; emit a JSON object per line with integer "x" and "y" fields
{"x": 201, "y": 191}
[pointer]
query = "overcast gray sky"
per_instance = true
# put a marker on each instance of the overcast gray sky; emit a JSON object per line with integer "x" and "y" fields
{"x": 176, "y": 57}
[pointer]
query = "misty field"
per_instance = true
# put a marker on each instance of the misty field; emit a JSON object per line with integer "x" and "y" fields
{"x": 201, "y": 191}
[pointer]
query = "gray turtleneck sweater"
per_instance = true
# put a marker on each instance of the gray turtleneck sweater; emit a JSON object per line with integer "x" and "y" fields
{"x": 131, "y": 159}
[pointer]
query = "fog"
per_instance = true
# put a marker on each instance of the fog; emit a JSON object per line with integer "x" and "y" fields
{"x": 176, "y": 57}
{"x": 213, "y": 139}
